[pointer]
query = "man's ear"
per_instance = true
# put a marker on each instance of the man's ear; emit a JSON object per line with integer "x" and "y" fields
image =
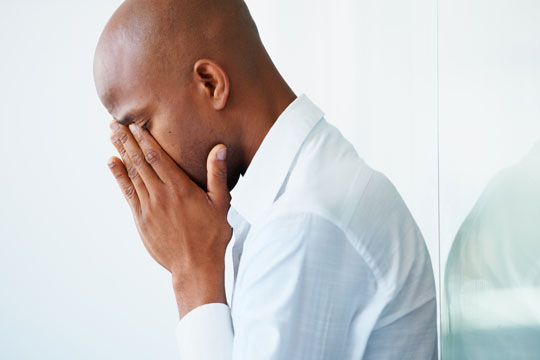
{"x": 212, "y": 81}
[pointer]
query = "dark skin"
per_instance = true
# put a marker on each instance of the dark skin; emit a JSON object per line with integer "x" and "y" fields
{"x": 185, "y": 82}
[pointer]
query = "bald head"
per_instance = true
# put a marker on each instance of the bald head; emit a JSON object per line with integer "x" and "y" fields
{"x": 193, "y": 72}
{"x": 164, "y": 38}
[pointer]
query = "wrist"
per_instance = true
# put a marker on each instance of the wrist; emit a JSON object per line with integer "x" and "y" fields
{"x": 196, "y": 289}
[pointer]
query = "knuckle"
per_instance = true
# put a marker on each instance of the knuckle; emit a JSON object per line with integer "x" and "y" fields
{"x": 129, "y": 190}
{"x": 222, "y": 174}
{"x": 152, "y": 157}
{"x": 118, "y": 175}
{"x": 158, "y": 197}
{"x": 177, "y": 190}
{"x": 135, "y": 159}
{"x": 122, "y": 152}
{"x": 132, "y": 172}
{"x": 182, "y": 191}
{"x": 145, "y": 210}
{"x": 123, "y": 137}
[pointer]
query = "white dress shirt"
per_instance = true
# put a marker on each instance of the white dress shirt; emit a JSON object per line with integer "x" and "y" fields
{"x": 325, "y": 261}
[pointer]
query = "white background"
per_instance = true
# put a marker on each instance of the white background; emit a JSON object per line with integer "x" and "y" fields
{"x": 75, "y": 279}
{"x": 489, "y": 91}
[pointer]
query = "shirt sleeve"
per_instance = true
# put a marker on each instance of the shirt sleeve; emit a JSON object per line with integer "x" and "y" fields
{"x": 299, "y": 285}
{"x": 206, "y": 333}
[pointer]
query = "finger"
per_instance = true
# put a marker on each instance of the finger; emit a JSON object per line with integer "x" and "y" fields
{"x": 132, "y": 173}
{"x": 136, "y": 157}
{"x": 120, "y": 173}
{"x": 164, "y": 166}
{"x": 216, "y": 165}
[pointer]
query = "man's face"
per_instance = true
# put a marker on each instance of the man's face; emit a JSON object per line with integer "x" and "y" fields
{"x": 165, "y": 105}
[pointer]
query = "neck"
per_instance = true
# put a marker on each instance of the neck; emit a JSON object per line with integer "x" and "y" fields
{"x": 264, "y": 107}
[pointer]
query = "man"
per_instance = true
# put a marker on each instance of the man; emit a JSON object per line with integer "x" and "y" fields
{"x": 315, "y": 255}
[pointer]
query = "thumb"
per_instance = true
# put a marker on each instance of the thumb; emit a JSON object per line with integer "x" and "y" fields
{"x": 216, "y": 167}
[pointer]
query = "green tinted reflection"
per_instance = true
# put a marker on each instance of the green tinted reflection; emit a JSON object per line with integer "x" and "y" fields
{"x": 492, "y": 280}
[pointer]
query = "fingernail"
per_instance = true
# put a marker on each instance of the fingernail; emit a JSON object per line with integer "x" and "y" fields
{"x": 133, "y": 128}
{"x": 115, "y": 126}
{"x": 111, "y": 164}
{"x": 222, "y": 154}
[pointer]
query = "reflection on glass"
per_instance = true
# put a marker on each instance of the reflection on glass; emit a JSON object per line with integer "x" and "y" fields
{"x": 492, "y": 281}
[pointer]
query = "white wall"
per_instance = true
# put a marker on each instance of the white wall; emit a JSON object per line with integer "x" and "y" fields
{"x": 489, "y": 72}
{"x": 76, "y": 280}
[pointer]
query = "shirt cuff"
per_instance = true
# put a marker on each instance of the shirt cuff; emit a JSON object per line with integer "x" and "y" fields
{"x": 206, "y": 333}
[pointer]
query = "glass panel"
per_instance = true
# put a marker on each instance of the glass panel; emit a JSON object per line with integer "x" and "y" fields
{"x": 489, "y": 126}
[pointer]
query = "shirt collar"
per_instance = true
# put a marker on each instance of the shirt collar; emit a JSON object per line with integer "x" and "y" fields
{"x": 257, "y": 189}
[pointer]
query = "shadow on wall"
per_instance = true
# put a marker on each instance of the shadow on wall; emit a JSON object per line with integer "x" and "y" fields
{"x": 492, "y": 280}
